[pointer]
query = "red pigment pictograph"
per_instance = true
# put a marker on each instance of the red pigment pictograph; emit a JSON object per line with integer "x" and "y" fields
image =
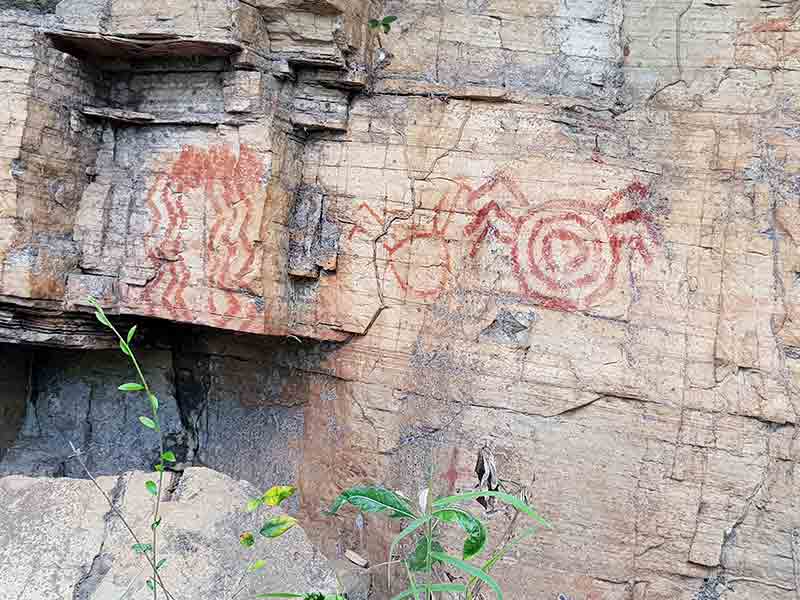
{"x": 565, "y": 253}
{"x": 452, "y": 473}
{"x": 429, "y": 242}
{"x": 229, "y": 182}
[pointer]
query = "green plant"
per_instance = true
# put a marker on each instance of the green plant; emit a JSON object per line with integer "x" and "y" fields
{"x": 152, "y": 422}
{"x": 423, "y": 527}
{"x": 384, "y": 24}
{"x": 274, "y": 526}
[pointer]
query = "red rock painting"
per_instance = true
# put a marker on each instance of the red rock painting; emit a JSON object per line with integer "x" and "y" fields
{"x": 565, "y": 254}
{"x": 223, "y": 264}
{"x": 452, "y": 474}
{"x": 414, "y": 241}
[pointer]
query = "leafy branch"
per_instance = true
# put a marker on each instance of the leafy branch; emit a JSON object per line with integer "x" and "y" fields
{"x": 153, "y": 423}
{"x": 384, "y": 24}
{"x": 428, "y": 551}
{"x": 273, "y": 527}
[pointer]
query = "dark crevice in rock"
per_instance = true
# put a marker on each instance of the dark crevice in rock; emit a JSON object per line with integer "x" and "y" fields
{"x": 510, "y": 329}
{"x": 172, "y": 483}
{"x": 88, "y": 584}
{"x": 102, "y": 562}
{"x": 192, "y": 384}
{"x": 314, "y": 235}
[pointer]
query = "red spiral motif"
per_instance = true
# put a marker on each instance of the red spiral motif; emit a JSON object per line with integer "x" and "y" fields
{"x": 565, "y": 254}
{"x": 566, "y": 257}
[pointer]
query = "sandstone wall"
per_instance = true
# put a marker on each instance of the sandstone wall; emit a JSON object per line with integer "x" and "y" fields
{"x": 564, "y": 229}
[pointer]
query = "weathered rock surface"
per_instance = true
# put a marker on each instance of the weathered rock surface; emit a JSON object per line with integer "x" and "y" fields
{"x": 565, "y": 229}
{"x": 58, "y": 539}
{"x": 78, "y": 406}
{"x": 139, "y": 172}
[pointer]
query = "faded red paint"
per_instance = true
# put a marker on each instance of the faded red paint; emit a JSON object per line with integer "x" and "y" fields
{"x": 452, "y": 473}
{"x": 430, "y": 242}
{"x": 565, "y": 254}
{"x": 229, "y": 182}
{"x": 775, "y": 25}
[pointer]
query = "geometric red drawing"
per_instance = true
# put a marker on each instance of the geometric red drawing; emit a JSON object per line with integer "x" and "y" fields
{"x": 215, "y": 255}
{"x": 401, "y": 250}
{"x": 565, "y": 253}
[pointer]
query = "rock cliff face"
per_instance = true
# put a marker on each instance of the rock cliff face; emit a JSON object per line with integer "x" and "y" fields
{"x": 564, "y": 229}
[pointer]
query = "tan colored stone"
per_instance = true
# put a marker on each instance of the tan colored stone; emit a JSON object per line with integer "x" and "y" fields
{"x": 567, "y": 230}
{"x": 204, "y": 513}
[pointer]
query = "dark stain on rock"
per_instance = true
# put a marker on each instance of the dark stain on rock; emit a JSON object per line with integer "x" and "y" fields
{"x": 510, "y": 329}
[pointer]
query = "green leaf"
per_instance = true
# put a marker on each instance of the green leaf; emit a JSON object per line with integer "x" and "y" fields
{"x": 507, "y": 498}
{"x": 253, "y": 504}
{"x": 148, "y": 422}
{"x": 411, "y": 528}
{"x": 159, "y": 467}
{"x": 151, "y": 585}
{"x": 373, "y": 23}
{"x": 101, "y": 316}
{"x": 476, "y": 532}
{"x": 155, "y": 524}
{"x": 247, "y": 540}
{"x": 275, "y": 495}
{"x": 389, "y": 19}
{"x": 277, "y": 526}
{"x": 169, "y": 456}
{"x": 131, "y": 387}
{"x": 453, "y": 588}
{"x": 153, "y": 401}
{"x": 257, "y": 566}
{"x": 142, "y": 548}
{"x": 470, "y": 570}
{"x": 374, "y": 500}
{"x": 124, "y": 347}
{"x": 386, "y": 27}
{"x": 161, "y": 563}
{"x": 152, "y": 487}
{"x": 131, "y": 333}
{"x": 419, "y": 560}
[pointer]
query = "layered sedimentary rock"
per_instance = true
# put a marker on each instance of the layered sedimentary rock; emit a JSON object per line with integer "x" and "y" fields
{"x": 156, "y": 168}
{"x": 566, "y": 230}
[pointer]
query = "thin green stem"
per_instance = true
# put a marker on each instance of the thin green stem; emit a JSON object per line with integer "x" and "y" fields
{"x": 122, "y": 519}
{"x": 147, "y": 394}
{"x": 429, "y": 536}
{"x": 411, "y": 580}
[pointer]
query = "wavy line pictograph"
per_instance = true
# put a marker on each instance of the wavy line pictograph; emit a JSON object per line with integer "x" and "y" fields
{"x": 229, "y": 183}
